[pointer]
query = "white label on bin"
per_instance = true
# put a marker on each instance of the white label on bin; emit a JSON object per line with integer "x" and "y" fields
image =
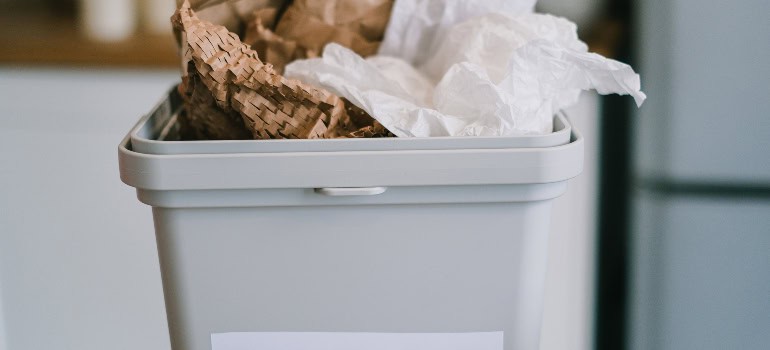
{"x": 357, "y": 341}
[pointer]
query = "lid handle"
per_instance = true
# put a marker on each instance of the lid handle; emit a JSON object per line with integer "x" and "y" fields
{"x": 350, "y": 191}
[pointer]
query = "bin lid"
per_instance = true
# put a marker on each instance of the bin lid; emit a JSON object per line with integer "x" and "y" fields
{"x": 351, "y": 168}
{"x": 157, "y": 133}
{"x": 148, "y": 162}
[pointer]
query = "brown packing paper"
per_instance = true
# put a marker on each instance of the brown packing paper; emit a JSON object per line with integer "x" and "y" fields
{"x": 203, "y": 119}
{"x": 221, "y": 14}
{"x": 374, "y": 131}
{"x": 291, "y": 30}
{"x": 367, "y": 18}
{"x": 313, "y": 34}
{"x": 366, "y": 126}
{"x": 235, "y": 15}
{"x": 306, "y": 26}
{"x": 226, "y": 78}
{"x": 198, "y": 5}
{"x": 271, "y": 47}
{"x": 245, "y": 9}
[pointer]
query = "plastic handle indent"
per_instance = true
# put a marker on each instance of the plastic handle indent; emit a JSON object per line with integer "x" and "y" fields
{"x": 350, "y": 191}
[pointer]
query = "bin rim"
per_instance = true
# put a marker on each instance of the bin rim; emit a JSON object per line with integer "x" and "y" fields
{"x": 147, "y": 136}
{"x": 351, "y": 168}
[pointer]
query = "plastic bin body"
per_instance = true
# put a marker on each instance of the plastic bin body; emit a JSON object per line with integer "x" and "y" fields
{"x": 433, "y": 241}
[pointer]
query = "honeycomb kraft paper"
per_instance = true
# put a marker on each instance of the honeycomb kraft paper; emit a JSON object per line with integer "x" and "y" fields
{"x": 231, "y": 94}
{"x": 308, "y": 25}
{"x": 282, "y": 31}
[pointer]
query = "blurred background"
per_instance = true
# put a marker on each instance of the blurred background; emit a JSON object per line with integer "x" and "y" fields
{"x": 662, "y": 243}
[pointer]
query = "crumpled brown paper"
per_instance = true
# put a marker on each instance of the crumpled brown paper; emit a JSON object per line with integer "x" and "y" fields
{"x": 234, "y": 14}
{"x": 308, "y": 25}
{"x": 243, "y": 7}
{"x": 282, "y": 31}
{"x": 226, "y": 79}
{"x": 271, "y": 47}
{"x": 367, "y": 126}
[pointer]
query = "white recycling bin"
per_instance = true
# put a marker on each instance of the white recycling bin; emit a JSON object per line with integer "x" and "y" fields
{"x": 431, "y": 235}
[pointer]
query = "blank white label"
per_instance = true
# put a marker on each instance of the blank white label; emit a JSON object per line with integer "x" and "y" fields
{"x": 357, "y": 341}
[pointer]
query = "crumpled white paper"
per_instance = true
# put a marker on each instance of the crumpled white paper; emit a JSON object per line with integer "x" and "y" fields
{"x": 487, "y": 73}
{"x": 417, "y": 27}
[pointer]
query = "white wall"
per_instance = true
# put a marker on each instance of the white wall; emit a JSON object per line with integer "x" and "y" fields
{"x": 77, "y": 251}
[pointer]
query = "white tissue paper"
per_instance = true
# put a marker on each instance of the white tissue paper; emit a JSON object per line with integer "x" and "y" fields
{"x": 494, "y": 68}
{"x": 416, "y": 27}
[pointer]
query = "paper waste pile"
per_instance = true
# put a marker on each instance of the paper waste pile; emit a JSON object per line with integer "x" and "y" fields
{"x": 375, "y": 68}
